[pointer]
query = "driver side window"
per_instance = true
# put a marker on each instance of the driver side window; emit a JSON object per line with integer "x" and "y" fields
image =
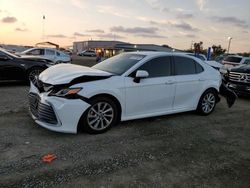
{"x": 157, "y": 67}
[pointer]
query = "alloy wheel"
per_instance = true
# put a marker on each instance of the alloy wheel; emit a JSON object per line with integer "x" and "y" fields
{"x": 208, "y": 103}
{"x": 33, "y": 76}
{"x": 100, "y": 116}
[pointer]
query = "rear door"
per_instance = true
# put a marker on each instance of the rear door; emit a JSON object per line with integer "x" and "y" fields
{"x": 51, "y": 54}
{"x": 189, "y": 82}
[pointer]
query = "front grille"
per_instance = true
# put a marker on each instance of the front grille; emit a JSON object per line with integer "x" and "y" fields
{"x": 239, "y": 77}
{"x": 42, "y": 112}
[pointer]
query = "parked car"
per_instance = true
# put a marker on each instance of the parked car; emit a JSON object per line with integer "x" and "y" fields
{"x": 88, "y": 53}
{"x": 54, "y": 55}
{"x": 221, "y": 57}
{"x": 202, "y": 57}
{"x": 128, "y": 86}
{"x": 239, "y": 79}
{"x": 231, "y": 61}
{"x": 14, "y": 67}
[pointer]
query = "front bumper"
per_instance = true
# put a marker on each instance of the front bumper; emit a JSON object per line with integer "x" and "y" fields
{"x": 239, "y": 88}
{"x": 54, "y": 113}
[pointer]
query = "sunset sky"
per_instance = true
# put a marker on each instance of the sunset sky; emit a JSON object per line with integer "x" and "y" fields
{"x": 173, "y": 22}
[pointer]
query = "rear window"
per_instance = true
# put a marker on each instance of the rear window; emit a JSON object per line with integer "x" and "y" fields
{"x": 233, "y": 59}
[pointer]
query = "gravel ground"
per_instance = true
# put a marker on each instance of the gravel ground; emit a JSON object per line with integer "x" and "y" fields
{"x": 183, "y": 150}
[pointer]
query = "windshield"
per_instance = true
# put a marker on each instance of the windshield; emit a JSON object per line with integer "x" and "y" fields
{"x": 119, "y": 64}
{"x": 8, "y": 53}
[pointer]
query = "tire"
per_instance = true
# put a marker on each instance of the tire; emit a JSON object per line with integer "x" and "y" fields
{"x": 58, "y": 62}
{"x": 33, "y": 73}
{"x": 207, "y": 102}
{"x": 100, "y": 116}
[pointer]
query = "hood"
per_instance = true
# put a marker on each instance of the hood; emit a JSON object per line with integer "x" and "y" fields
{"x": 67, "y": 73}
{"x": 242, "y": 69}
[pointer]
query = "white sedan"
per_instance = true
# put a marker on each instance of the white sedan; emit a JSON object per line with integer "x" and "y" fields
{"x": 128, "y": 86}
{"x": 54, "y": 55}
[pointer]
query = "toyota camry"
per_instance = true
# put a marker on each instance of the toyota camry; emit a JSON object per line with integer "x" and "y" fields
{"x": 67, "y": 98}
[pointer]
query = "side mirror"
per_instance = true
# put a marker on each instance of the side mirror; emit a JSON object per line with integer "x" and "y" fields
{"x": 3, "y": 58}
{"x": 140, "y": 74}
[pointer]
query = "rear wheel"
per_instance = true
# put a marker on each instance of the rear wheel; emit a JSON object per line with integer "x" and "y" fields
{"x": 207, "y": 102}
{"x": 100, "y": 116}
{"x": 34, "y": 73}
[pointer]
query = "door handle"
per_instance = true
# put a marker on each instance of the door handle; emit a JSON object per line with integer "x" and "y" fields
{"x": 169, "y": 82}
{"x": 201, "y": 79}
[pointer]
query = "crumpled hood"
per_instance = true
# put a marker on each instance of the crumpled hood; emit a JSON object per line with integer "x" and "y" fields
{"x": 65, "y": 73}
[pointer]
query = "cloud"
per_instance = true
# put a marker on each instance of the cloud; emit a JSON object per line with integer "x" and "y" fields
{"x": 184, "y": 26}
{"x": 180, "y": 25}
{"x": 201, "y": 4}
{"x": 95, "y": 31}
{"x": 182, "y": 15}
{"x": 78, "y": 4}
{"x": 184, "y": 34}
{"x": 134, "y": 30}
{"x": 80, "y": 35}
{"x": 110, "y": 36}
{"x": 152, "y": 3}
{"x": 152, "y": 36}
{"x": 57, "y": 36}
{"x": 190, "y": 35}
{"x": 230, "y": 20}
{"x": 115, "y": 11}
{"x": 9, "y": 19}
{"x": 21, "y": 29}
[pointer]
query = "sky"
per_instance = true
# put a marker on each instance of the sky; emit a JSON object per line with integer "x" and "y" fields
{"x": 177, "y": 23}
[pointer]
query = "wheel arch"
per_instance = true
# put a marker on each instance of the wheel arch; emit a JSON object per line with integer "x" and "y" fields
{"x": 207, "y": 89}
{"x": 112, "y": 97}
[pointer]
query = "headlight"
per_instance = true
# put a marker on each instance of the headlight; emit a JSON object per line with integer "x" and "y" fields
{"x": 68, "y": 92}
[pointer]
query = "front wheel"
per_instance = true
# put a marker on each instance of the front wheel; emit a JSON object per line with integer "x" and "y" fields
{"x": 207, "y": 102}
{"x": 100, "y": 116}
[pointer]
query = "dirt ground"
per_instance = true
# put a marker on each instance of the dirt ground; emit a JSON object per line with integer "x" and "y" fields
{"x": 183, "y": 150}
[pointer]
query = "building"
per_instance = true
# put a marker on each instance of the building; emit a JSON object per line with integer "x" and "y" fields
{"x": 110, "y": 48}
{"x": 106, "y": 47}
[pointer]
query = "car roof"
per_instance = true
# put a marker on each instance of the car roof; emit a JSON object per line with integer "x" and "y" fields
{"x": 150, "y": 53}
{"x": 157, "y": 53}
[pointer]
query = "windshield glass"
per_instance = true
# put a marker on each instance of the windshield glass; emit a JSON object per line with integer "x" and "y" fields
{"x": 119, "y": 64}
{"x": 8, "y": 53}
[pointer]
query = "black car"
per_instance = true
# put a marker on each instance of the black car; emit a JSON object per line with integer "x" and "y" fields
{"x": 14, "y": 67}
{"x": 239, "y": 79}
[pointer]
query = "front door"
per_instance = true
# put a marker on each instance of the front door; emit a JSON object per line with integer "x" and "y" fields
{"x": 154, "y": 94}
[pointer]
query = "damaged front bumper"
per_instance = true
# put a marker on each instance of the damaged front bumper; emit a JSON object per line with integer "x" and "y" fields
{"x": 56, "y": 113}
{"x": 228, "y": 93}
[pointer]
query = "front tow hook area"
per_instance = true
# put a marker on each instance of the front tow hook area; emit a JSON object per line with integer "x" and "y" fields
{"x": 229, "y": 94}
